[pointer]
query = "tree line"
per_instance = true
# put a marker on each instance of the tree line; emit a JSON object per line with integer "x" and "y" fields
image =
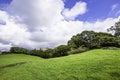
{"x": 91, "y": 40}
{"x": 61, "y": 50}
{"x": 80, "y": 42}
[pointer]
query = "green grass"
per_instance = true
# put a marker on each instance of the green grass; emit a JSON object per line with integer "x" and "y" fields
{"x": 91, "y": 65}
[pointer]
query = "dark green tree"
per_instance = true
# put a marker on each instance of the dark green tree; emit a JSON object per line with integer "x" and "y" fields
{"x": 91, "y": 39}
{"x": 61, "y": 50}
{"x": 18, "y": 50}
{"x": 85, "y": 39}
{"x": 88, "y": 38}
{"x": 48, "y": 53}
{"x": 75, "y": 41}
{"x": 37, "y": 52}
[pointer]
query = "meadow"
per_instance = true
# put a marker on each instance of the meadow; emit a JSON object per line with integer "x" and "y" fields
{"x": 95, "y": 64}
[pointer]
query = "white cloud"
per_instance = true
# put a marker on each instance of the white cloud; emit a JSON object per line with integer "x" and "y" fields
{"x": 4, "y": 47}
{"x": 37, "y": 13}
{"x": 12, "y": 32}
{"x": 41, "y": 24}
{"x": 78, "y": 9}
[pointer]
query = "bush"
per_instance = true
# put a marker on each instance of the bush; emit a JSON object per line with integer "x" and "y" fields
{"x": 110, "y": 48}
{"x": 78, "y": 50}
{"x": 18, "y": 50}
{"x": 48, "y": 53}
{"x": 108, "y": 41}
{"x": 61, "y": 50}
{"x": 5, "y": 52}
{"x": 36, "y": 52}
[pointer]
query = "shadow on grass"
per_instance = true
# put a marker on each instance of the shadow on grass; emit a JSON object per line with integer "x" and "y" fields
{"x": 115, "y": 74}
{"x": 12, "y": 65}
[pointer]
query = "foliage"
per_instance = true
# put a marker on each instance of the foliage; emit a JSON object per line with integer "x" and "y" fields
{"x": 78, "y": 50}
{"x": 48, "y": 53}
{"x": 36, "y": 52}
{"x": 86, "y": 39}
{"x": 91, "y": 39}
{"x": 4, "y": 52}
{"x": 111, "y": 48}
{"x": 75, "y": 41}
{"x": 115, "y": 29}
{"x": 61, "y": 50}
{"x": 18, "y": 50}
{"x": 106, "y": 39}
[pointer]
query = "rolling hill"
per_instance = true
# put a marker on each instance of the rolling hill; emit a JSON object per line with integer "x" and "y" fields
{"x": 91, "y": 65}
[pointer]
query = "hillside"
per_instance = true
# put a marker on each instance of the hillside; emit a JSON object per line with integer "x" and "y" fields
{"x": 91, "y": 65}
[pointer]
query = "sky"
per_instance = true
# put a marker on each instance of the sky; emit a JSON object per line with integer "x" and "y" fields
{"x": 46, "y": 24}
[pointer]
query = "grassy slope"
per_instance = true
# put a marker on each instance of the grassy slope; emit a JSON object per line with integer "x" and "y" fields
{"x": 91, "y": 65}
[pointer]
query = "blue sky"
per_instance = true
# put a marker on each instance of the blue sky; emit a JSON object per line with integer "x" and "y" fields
{"x": 49, "y": 23}
{"x": 5, "y": 1}
{"x": 96, "y": 9}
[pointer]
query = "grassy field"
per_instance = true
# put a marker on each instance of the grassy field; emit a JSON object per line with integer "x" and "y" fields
{"x": 91, "y": 65}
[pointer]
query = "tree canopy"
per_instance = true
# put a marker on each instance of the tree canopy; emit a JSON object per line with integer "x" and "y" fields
{"x": 91, "y": 39}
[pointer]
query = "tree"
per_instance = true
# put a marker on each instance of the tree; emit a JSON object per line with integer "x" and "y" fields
{"x": 104, "y": 39}
{"x": 85, "y": 39}
{"x": 36, "y": 52}
{"x": 61, "y": 50}
{"x": 91, "y": 39}
{"x": 88, "y": 38}
{"x": 75, "y": 41}
{"x": 18, "y": 50}
{"x": 48, "y": 53}
{"x": 115, "y": 29}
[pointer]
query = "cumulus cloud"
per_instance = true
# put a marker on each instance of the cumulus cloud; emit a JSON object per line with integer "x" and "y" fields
{"x": 78, "y": 9}
{"x": 12, "y": 32}
{"x": 5, "y": 47}
{"x": 40, "y": 24}
{"x": 37, "y": 13}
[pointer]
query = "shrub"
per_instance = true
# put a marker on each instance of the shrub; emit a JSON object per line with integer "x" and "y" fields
{"x": 5, "y": 52}
{"x": 18, "y": 50}
{"x": 110, "y": 48}
{"x": 48, "y": 53}
{"x": 36, "y": 52}
{"x": 61, "y": 50}
{"x": 78, "y": 50}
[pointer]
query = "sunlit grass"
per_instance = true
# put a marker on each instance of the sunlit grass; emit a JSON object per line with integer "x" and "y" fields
{"x": 91, "y": 65}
